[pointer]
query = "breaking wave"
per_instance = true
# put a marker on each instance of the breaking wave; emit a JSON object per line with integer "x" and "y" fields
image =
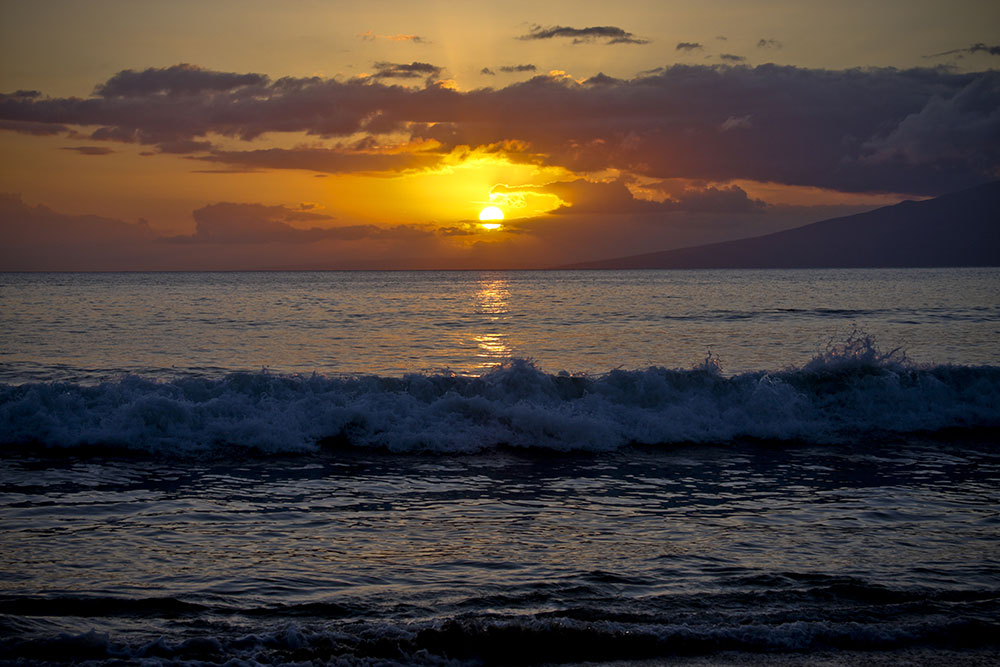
{"x": 851, "y": 390}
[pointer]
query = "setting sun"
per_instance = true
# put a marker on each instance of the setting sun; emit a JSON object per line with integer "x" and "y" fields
{"x": 489, "y": 216}
{"x": 491, "y": 213}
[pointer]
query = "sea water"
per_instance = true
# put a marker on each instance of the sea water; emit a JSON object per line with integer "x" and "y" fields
{"x": 501, "y": 467}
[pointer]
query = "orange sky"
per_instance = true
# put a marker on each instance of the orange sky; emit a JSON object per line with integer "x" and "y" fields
{"x": 244, "y": 135}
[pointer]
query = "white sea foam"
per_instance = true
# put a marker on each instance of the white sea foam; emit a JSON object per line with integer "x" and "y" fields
{"x": 850, "y": 390}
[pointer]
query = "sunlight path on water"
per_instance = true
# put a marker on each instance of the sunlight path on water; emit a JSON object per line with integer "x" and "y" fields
{"x": 96, "y": 326}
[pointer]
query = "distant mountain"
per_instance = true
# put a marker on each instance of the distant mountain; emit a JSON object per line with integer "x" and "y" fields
{"x": 959, "y": 229}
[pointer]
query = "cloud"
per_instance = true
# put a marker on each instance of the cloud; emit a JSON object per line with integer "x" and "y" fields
{"x": 326, "y": 160}
{"x": 36, "y": 238}
{"x": 601, "y": 79}
{"x": 414, "y": 70}
{"x": 607, "y": 219}
{"x": 583, "y": 197}
{"x": 729, "y": 57}
{"x": 952, "y": 129}
{"x": 860, "y": 130}
{"x": 824, "y": 139}
{"x": 184, "y": 146}
{"x": 487, "y": 71}
{"x": 227, "y": 236}
{"x": 39, "y": 129}
{"x": 370, "y": 36}
{"x": 715, "y": 199}
{"x": 232, "y": 224}
{"x": 518, "y": 68}
{"x": 89, "y": 150}
{"x": 609, "y": 34}
{"x": 688, "y": 46}
{"x": 178, "y": 80}
{"x": 979, "y": 47}
{"x": 257, "y": 223}
{"x": 768, "y": 44}
{"x": 736, "y": 122}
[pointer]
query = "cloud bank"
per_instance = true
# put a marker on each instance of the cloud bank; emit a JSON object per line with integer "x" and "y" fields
{"x": 919, "y": 131}
{"x": 227, "y": 236}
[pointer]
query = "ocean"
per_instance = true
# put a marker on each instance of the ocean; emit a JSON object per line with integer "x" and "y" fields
{"x": 602, "y": 467}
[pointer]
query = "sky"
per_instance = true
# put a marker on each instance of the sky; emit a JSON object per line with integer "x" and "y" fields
{"x": 313, "y": 134}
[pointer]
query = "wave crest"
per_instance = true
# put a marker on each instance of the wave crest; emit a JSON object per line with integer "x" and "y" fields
{"x": 851, "y": 390}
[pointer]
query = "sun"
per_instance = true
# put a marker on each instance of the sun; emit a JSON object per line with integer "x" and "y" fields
{"x": 490, "y": 216}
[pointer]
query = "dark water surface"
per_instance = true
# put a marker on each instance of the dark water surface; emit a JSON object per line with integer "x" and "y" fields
{"x": 503, "y": 557}
{"x": 164, "y": 501}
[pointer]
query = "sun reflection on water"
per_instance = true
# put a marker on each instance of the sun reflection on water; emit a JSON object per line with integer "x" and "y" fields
{"x": 492, "y": 308}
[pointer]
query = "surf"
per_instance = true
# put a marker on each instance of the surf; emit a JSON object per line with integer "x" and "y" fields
{"x": 851, "y": 390}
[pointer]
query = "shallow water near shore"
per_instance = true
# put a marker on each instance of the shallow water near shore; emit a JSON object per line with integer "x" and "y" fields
{"x": 504, "y": 557}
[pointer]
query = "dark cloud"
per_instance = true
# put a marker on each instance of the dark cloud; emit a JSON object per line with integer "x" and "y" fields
{"x": 233, "y": 223}
{"x": 227, "y": 236}
{"x": 609, "y": 34}
{"x": 518, "y": 68}
{"x": 963, "y": 127}
{"x": 184, "y": 146}
{"x": 729, "y": 57}
{"x": 414, "y": 70}
{"x": 89, "y": 150}
{"x": 730, "y": 199}
{"x": 601, "y": 79}
{"x": 585, "y": 197}
{"x": 979, "y": 47}
{"x": 768, "y": 44}
{"x": 487, "y": 71}
{"x": 36, "y": 238}
{"x": 827, "y": 138}
{"x": 32, "y": 127}
{"x": 183, "y": 79}
{"x": 853, "y": 130}
{"x": 688, "y": 46}
{"x": 256, "y": 223}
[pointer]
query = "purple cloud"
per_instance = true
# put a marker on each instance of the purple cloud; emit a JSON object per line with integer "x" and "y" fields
{"x": 178, "y": 80}
{"x": 979, "y": 47}
{"x": 89, "y": 150}
{"x": 611, "y": 34}
{"x": 852, "y": 130}
{"x": 414, "y": 70}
